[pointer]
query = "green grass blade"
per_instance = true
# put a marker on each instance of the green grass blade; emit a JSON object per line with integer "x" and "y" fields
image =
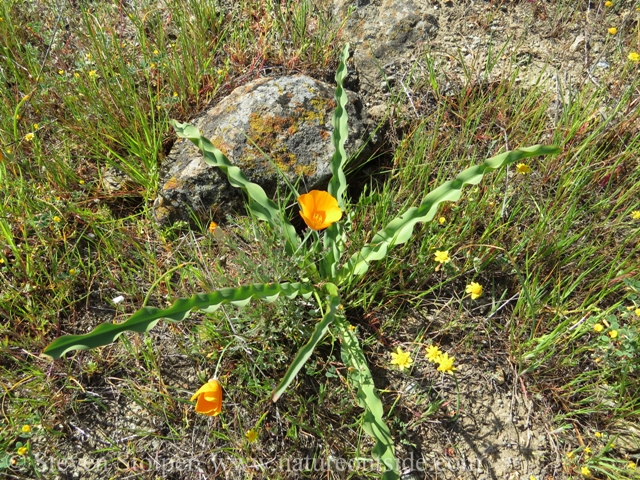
{"x": 362, "y": 380}
{"x": 259, "y": 204}
{"x": 146, "y": 318}
{"x": 400, "y": 229}
{"x": 305, "y": 352}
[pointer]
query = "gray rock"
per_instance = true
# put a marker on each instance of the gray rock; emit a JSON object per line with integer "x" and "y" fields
{"x": 287, "y": 118}
{"x": 383, "y": 33}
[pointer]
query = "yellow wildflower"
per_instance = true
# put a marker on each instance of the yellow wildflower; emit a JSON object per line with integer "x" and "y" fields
{"x": 72, "y": 271}
{"x": 442, "y": 256}
{"x": 251, "y": 435}
{"x": 22, "y": 450}
{"x": 608, "y": 4}
{"x": 93, "y": 73}
{"x": 634, "y": 57}
{"x": 175, "y": 94}
{"x": 155, "y": 52}
{"x": 570, "y": 454}
{"x": 635, "y": 214}
{"x": 446, "y": 363}
{"x": 433, "y": 353}
{"x": 637, "y": 312}
{"x": 319, "y": 209}
{"x": 585, "y": 471}
{"x": 523, "y": 168}
{"x": 29, "y": 136}
{"x": 57, "y": 219}
{"x": 587, "y": 450}
{"x": 631, "y": 465}
{"x": 352, "y": 327}
{"x": 401, "y": 359}
{"x": 61, "y": 72}
{"x": 612, "y": 30}
{"x": 475, "y": 289}
{"x": 442, "y": 220}
{"x": 76, "y": 75}
{"x": 26, "y": 428}
{"x": 598, "y": 435}
{"x": 598, "y": 327}
{"x": 613, "y": 334}
{"x": 36, "y": 126}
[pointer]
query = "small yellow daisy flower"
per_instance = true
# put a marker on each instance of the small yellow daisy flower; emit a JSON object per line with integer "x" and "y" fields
{"x": 175, "y": 94}
{"x": 585, "y": 471}
{"x": 57, "y": 219}
{"x": 153, "y": 65}
{"x": 587, "y": 450}
{"x": 76, "y": 75}
{"x": 613, "y": 334}
{"x": 352, "y": 327}
{"x": 60, "y": 72}
{"x": 22, "y": 450}
{"x": 155, "y": 52}
{"x": 637, "y": 311}
{"x": 251, "y": 435}
{"x": 442, "y": 220}
{"x": 442, "y": 256}
{"x": 631, "y": 465}
{"x": 433, "y": 353}
{"x": 612, "y": 30}
{"x": 598, "y": 435}
{"x": 26, "y": 428}
{"x": 523, "y": 168}
{"x": 635, "y": 214}
{"x": 93, "y": 73}
{"x": 36, "y": 126}
{"x": 598, "y": 327}
{"x": 401, "y": 359}
{"x": 72, "y": 271}
{"x": 608, "y": 4}
{"x": 475, "y": 289}
{"x": 29, "y": 136}
{"x": 634, "y": 57}
{"x": 570, "y": 454}
{"x": 446, "y": 363}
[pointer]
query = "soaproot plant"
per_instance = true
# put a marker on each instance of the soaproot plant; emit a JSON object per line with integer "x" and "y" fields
{"x": 324, "y": 280}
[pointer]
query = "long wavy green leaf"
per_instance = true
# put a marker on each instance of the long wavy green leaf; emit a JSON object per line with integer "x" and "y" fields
{"x": 334, "y": 235}
{"x": 338, "y": 182}
{"x": 259, "y": 204}
{"x": 400, "y": 229}
{"x": 305, "y": 352}
{"x": 361, "y": 379}
{"x": 146, "y": 318}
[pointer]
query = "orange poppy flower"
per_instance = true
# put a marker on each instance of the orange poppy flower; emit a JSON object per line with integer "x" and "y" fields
{"x": 319, "y": 209}
{"x": 209, "y": 398}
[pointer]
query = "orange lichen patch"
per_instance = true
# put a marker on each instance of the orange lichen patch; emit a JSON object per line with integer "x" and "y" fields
{"x": 218, "y": 142}
{"x": 172, "y": 184}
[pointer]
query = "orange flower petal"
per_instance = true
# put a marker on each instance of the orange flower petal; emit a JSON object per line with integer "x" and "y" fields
{"x": 319, "y": 209}
{"x": 209, "y": 398}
